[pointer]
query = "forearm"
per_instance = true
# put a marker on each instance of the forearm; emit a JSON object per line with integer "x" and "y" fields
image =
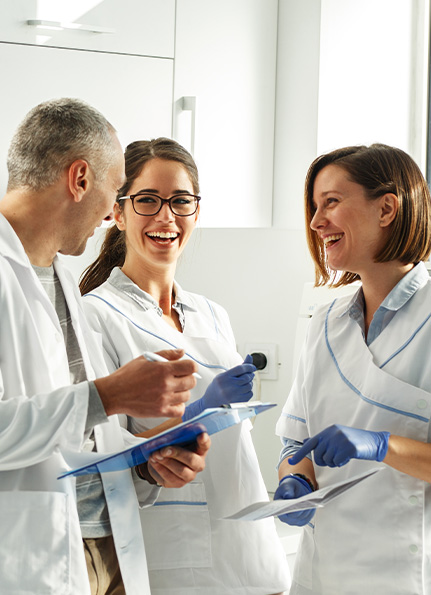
{"x": 305, "y": 467}
{"x": 409, "y": 456}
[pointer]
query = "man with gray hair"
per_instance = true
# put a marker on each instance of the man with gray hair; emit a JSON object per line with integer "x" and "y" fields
{"x": 65, "y": 165}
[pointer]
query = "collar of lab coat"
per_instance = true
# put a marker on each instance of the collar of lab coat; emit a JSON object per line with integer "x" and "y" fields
{"x": 119, "y": 280}
{"x": 10, "y": 244}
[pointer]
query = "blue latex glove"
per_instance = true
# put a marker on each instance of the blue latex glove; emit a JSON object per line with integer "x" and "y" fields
{"x": 336, "y": 445}
{"x": 294, "y": 487}
{"x": 233, "y": 386}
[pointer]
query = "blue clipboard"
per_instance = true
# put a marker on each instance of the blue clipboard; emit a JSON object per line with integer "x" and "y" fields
{"x": 210, "y": 421}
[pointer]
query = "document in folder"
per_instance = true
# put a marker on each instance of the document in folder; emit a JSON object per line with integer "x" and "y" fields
{"x": 211, "y": 421}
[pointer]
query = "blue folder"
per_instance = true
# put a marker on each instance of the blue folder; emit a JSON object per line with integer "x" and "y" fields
{"x": 184, "y": 434}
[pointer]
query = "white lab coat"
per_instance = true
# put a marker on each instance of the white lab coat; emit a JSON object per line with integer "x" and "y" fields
{"x": 376, "y": 537}
{"x": 189, "y": 548}
{"x": 42, "y": 417}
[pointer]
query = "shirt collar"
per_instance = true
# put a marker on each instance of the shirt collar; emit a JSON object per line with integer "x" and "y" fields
{"x": 399, "y": 295}
{"x": 120, "y": 281}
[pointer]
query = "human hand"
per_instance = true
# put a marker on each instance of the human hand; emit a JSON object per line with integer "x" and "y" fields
{"x": 174, "y": 466}
{"x": 337, "y": 445}
{"x": 149, "y": 389}
{"x": 233, "y": 386}
{"x": 290, "y": 487}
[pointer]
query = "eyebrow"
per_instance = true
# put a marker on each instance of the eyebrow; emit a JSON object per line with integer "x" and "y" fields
{"x": 153, "y": 191}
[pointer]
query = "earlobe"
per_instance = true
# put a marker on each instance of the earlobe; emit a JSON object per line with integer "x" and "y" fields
{"x": 389, "y": 209}
{"x": 119, "y": 217}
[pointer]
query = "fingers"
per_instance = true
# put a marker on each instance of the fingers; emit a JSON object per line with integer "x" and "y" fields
{"x": 242, "y": 369}
{"x": 171, "y": 354}
{"x": 306, "y": 448}
{"x": 203, "y": 443}
{"x": 176, "y": 466}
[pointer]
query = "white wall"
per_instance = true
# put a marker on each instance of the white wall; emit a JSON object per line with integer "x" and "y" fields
{"x": 258, "y": 276}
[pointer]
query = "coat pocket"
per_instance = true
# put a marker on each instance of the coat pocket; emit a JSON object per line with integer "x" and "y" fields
{"x": 177, "y": 530}
{"x": 35, "y": 542}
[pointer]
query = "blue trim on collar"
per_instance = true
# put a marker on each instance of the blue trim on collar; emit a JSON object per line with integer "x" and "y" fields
{"x": 356, "y": 390}
{"x": 210, "y": 366}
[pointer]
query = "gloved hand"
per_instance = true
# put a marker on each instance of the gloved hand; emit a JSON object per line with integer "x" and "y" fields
{"x": 290, "y": 487}
{"x": 336, "y": 445}
{"x": 233, "y": 386}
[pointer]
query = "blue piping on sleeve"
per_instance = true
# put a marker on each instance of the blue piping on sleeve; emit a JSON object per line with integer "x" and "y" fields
{"x": 179, "y": 503}
{"x": 294, "y": 417}
{"x": 212, "y": 366}
{"x": 357, "y": 391}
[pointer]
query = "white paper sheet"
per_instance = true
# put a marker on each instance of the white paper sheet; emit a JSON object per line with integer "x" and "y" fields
{"x": 317, "y": 499}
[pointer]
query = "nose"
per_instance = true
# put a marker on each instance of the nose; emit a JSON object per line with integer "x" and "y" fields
{"x": 165, "y": 213}
{"x": 318, "y": 220}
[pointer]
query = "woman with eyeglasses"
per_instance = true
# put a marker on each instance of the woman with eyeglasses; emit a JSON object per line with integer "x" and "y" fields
{"x": 131, "y": 297}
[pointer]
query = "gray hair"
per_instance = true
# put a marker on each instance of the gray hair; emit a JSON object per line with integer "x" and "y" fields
{"x": 52, "y": 136}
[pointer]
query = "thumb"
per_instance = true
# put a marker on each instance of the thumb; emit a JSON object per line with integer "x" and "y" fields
{"x": 171, "y": 354}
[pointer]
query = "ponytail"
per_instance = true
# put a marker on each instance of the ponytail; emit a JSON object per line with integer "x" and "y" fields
{"x": 112, "y": 254}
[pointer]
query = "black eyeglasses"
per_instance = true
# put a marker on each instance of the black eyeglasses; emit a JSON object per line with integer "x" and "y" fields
{"x": 147, "y": 204}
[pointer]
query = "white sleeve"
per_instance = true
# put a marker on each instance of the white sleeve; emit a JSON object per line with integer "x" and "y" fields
{"x": 32, "y": 428}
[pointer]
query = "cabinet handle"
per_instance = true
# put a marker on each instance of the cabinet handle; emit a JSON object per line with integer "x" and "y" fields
{"x": 188, "y": 103}
{"x": 75, "y": 26}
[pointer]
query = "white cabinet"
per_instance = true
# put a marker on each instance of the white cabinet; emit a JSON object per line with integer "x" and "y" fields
{"x": 141, "y": 27}
{"x": 114, "y": 73}
{"x": 225, "y": 56}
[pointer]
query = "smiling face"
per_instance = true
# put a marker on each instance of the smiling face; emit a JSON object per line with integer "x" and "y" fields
{"x": 351, "y": 226}
{"x": 157, "y": 240}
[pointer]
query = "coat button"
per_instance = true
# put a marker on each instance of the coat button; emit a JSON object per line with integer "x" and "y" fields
{"x": 413, "y": 500}
{"x": 413, "y": 549}
{"x": 422, "y": 404}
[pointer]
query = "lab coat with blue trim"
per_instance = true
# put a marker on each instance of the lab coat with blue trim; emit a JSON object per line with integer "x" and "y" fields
{"x": 190, "y": 549}
{"x": 374, "y": 538}
{"x": 42, "y": 418}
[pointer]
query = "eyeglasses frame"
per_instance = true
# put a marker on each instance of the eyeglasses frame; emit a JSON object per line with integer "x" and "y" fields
{"x": 163, "y": 201}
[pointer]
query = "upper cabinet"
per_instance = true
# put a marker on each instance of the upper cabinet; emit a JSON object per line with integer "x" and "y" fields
{"x": 224, "y": 105}
{"x": 141, "y": 27}
{"x": 208, "y": 67}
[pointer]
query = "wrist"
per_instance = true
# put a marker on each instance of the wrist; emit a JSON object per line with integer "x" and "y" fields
{"x": 143, "y": 473}
{"x": 303, "y": 479}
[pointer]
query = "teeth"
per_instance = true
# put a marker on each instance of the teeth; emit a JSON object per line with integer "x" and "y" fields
{"x": 165, "y": 235}
{"x": 333, "y": 238}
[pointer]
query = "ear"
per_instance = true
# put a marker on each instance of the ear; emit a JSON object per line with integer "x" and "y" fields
{"x": 119, "y": 217}
{"x": 79, "y": 179}
{"x": 197, "y": 213}
{"x": 388, "y": 209}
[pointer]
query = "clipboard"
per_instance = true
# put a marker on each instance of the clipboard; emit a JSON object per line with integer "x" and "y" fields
{"x": 210, "y": 420}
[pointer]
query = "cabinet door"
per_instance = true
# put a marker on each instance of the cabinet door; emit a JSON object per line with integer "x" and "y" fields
{"x": 134, "y": 93}
{"x": 142, "y": 27}
{"x": 225, "y": 56}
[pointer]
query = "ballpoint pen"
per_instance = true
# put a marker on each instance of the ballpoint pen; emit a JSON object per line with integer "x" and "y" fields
{"x": 155, "y": 357}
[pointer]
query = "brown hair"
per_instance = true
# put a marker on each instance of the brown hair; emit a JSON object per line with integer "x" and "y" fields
{"x": 380, "y": 169}
{"x": 137, "y": 154}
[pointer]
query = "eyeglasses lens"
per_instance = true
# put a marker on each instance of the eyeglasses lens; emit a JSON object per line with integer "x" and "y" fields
{"x": 149, "y": 204}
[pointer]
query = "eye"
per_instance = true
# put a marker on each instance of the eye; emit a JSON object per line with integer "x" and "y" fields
{"x": 183, "y": 200}
{"x": 146, "y": 199}
{"x": 331, "y": 201}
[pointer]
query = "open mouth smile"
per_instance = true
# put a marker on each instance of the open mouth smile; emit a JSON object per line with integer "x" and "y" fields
{"x": 163, "y": 237}
{"x": 331, "y": 240}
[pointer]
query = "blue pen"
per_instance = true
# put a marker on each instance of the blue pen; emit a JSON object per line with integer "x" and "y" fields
{"x": 155, "y": 357}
